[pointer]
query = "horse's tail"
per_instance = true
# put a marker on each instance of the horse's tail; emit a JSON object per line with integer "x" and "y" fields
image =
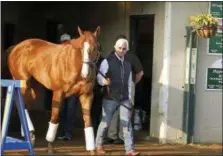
{"x": 5, "y": 73}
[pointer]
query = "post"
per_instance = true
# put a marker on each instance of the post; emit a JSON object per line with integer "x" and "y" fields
{"x": 189, "y": 86}
{"x": 164, "y": 90}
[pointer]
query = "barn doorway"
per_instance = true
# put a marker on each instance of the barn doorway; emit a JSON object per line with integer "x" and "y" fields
{"x": 8, "y": 31}
{"x": 141, "y": 42}
{"x": 51, "y": 36}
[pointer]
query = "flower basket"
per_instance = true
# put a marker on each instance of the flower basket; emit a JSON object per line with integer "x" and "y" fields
{"x": 205, "y": 25}
{"x": 206, "y": 32}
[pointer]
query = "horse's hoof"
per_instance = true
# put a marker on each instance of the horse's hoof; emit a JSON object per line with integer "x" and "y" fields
{"x": 33, "y": 138}
{"x": 33, "y": 142}
{"x": 92, "y": 152}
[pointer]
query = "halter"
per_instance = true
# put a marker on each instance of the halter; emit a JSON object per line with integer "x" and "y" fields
{"x": 92, "y": 64}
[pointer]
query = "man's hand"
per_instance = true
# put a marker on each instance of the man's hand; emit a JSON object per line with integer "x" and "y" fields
{"x": 139, "y": 76}
{"x": 107, "y": 81}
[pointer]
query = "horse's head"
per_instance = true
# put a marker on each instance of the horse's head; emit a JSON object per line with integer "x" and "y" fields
{"x": 89, "y": 49}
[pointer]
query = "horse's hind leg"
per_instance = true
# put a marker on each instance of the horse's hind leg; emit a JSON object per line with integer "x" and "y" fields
{"x": 28, "y": 97}
{"x": 19, "y": 72}
{"x": 86, "y": 103}
{"x": 54, "y": 121}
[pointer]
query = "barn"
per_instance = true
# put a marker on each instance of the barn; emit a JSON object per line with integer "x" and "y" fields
{"x": 158, "y": 34}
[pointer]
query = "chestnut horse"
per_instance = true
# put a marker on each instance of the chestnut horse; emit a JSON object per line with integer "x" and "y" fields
{"x": 66, "y": 69}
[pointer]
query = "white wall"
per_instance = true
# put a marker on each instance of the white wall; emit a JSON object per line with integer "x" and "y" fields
{"x": 208, "y": 114}
{"x": 208, "y": 118}
{"x": 208, "y": 111}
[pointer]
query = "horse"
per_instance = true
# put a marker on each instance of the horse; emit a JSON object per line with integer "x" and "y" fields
{"x": 67, "y": 68}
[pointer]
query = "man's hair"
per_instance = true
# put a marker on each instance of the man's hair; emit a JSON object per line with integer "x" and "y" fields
{"x": 120, "y": 37}
{"x": 121, "y": 40}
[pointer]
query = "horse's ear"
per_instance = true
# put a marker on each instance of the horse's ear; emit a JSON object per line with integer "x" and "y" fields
{"x": 97, "y": 31}
{"x": 80, "y": 31}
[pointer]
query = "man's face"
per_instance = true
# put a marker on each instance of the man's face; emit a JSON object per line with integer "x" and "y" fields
{"x": 121, "y": 49}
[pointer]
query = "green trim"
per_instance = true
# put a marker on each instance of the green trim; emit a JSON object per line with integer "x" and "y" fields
{"x": 189, "y": 89}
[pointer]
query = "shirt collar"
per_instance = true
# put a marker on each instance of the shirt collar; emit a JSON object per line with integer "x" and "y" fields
{"x": 121, "y": 59}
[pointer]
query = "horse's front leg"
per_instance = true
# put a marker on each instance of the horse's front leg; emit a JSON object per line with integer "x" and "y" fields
{"x": 86, "y": 103}
{"x": 54, "y": 121}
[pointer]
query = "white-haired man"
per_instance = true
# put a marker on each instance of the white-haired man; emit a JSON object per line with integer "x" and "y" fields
{"x": 118, "y": 94}
{"x": 115, "y": 133}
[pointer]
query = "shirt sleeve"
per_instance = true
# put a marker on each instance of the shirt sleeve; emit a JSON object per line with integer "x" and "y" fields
{"x": 103, "y": 69}
{"x": 130, "y": 86}
{"x": 136, "y": 64}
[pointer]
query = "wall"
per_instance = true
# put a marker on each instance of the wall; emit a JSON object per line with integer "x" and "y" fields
{"x": 157, "y": 8}
{"x": 208, "y": 118}
{"x": 208, "y": 110}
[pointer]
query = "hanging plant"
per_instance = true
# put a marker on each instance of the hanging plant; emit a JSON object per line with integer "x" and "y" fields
{"x": 205, "y": 25}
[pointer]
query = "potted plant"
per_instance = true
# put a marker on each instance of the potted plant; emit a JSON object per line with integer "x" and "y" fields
{"x": 205, "y": 25}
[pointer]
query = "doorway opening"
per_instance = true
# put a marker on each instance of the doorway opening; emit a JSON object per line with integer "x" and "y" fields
{"x": 8, "y": 40}
{"x": 141, "y": 43}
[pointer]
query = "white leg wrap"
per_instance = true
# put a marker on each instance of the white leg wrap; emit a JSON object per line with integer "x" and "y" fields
{"x": 30, "y": 124}
{"x": 89, "y": 138}
{"x": 51, "y": 133}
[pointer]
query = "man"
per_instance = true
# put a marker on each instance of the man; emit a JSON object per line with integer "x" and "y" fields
{"x": 118, "y": 94}
{"x": 114, "y": 134}
{"x": 68, "y": 109}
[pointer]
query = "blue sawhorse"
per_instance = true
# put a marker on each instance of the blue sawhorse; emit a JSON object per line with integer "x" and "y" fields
{"x": 10, "y": 143}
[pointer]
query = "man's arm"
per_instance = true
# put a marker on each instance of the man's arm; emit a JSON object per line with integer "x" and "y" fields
{"x": 103, "y": 69}
{"x": 139, "y": 76}
{"x": 137, "y": 66}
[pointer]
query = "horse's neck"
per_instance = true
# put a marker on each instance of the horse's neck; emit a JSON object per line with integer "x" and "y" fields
{"x": 77, "y": 42}
{"x": 70, "y": 59}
